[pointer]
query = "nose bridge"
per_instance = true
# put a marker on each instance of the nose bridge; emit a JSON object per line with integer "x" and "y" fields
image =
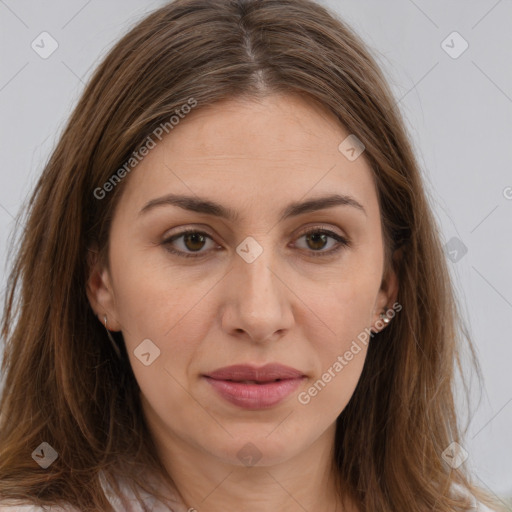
{"x": 257, "y": 301}
{"x": 255, "y": 273}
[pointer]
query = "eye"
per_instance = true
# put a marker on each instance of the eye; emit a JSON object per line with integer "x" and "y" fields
{"x": 194, "y": 240}
{"x": 318, "y": 238}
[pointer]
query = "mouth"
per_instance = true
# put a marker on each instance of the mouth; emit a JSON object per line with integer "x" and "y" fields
{"x": 254, "y": 388}
{"x": 253, "y": 381}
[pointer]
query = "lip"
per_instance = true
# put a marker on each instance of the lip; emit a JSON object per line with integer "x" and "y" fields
{"x": 266, "y": 391}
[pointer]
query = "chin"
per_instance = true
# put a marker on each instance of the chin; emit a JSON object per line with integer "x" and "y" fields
{"x": 257, "y": 449}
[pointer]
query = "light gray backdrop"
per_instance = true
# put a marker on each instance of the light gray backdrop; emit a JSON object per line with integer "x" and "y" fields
{"x": 450, "y": 66}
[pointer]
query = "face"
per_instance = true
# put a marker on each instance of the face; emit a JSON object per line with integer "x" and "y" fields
{"x": 266, "y": 282}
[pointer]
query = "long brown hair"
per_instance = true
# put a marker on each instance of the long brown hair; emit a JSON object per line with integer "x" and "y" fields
{"x": 62, "y": 381}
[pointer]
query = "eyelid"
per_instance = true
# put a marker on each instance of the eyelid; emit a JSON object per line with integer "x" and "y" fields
{"x": 318, "y": 227}
{"x": 342, "y": 241}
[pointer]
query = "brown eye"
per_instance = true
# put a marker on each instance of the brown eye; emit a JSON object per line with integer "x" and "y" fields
{"x": 317, "y": 239}
{"x": 194, "y": 241}
{"x": 190, "y": 242}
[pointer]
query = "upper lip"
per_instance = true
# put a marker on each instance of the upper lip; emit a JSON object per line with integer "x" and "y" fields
{"x": 266, "y": 373}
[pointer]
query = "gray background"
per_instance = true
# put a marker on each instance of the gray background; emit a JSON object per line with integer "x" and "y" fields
{"x": 458, "y": 112}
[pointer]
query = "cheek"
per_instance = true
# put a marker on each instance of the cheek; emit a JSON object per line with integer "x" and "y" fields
{"x": 341, "y": 356}
{"x": 177, "y": 331}
{"x": 153, "y": 299}
{"x": 345, "y": 311}
{"x": 328, "y": 395}
{"x": 346, "y": 308}
{"x": 157, "y": 303}
{"x": 346, "y": 295}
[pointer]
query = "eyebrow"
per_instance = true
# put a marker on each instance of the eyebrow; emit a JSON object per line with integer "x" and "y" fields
{"x": 208, "y": 207}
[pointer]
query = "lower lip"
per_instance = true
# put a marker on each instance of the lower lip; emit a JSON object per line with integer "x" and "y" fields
{"x": 255, "y": 396}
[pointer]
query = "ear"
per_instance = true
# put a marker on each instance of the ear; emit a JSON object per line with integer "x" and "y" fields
{"x": 388, "y": 292}
{"x": 99, "y": 290}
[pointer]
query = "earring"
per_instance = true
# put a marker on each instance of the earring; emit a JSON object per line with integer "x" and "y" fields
{"x": 384, "y": 318}
{"x": 110, "y": 337}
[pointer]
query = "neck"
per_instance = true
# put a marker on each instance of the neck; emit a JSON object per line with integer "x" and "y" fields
{"x": 206, "y": 483}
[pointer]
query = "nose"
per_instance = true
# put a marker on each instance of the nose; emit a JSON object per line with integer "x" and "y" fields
{"x": 258, "y": 304}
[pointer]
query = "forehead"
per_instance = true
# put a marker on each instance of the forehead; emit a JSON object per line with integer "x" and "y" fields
{"x": 277, "y": 149}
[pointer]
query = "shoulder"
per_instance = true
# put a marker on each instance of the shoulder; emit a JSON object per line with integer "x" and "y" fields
{"x": 125, "y": 502}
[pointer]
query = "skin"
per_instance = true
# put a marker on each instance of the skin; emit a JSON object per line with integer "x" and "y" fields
{"x": 287, "y": 306}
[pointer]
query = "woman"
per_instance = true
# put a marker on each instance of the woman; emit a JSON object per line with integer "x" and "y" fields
{"x": 231, "y": 287}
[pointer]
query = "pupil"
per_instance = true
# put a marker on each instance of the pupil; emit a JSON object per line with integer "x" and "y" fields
{"x": 194, "y": 237}
{"x": 322, "y": 237}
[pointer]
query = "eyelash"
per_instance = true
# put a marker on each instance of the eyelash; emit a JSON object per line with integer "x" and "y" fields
{"x": 342, "y": 242}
